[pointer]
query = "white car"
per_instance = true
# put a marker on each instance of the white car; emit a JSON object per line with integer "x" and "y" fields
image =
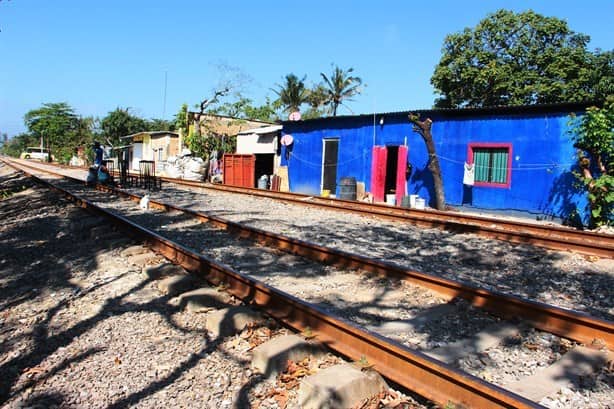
{"x": 33, "y": 152}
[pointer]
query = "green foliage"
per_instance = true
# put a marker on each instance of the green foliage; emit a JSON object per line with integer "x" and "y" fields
{"x": 121, "y": 122}
{"x": 14, "y": 146}
{"x": 243, "y": 108}
{"x": 157, "y": 124}
{"x": 292, "y": 93}
{"x": 181, "y": 119}
{"x": 58, "y": 125}
{"x": 340, "y": 87}
{"x": 593, "y": 134}
{"x": 515, "y": 59}
{"x": 202, "y": 144}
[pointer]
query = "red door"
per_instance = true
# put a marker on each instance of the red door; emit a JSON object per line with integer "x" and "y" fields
{"x": 401, "y": 180}
{"x": 378, "y": 172}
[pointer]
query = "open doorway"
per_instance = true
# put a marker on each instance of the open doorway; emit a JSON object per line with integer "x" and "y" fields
{"x": 388, "y": 172}
{"x": 392, "y": 161}
{"x": 329, "y": 165}
{"x": 264, "y": 165}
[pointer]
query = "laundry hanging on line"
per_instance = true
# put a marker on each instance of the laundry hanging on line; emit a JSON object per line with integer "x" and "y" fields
{"x": 469, "y": 174}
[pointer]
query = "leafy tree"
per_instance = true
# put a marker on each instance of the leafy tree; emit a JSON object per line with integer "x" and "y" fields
{"x": 292, "y": 93}
{"x": 57, "y": 124}
{"x": 121, "y": 122}
{"x": 340, "y": 87}
{"x": 514, "y": 59}
{"x": 243, "y": 108}
{"x": 18, "y": 143}
{"x": 593, "y": 135}
{"x": 181, "y": 119}
{"x": 318, "y": 102}
{"x": 157, "y": 124}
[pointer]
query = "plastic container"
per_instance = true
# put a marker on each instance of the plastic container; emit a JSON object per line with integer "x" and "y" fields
{"x": 412, "y": 200}
{"x": 347, "y": 188}
{"x": 263, "y": 182}
{"x": 420, "y": 203}
{"x": 391, "y": 199}
{"x": 325, "y": 193}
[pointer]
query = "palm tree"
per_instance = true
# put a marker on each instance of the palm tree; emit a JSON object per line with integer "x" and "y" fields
{"x": 341, "y": 87}
{"x": 293, "y": 93}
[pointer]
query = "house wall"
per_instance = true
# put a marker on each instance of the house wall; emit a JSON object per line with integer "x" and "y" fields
{"x": 542, "y": 154}
{"x": 253, "y": 143}
{"x": 168, "y": 143}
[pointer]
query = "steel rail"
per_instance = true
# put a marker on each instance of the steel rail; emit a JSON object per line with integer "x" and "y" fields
{"x": 411, "y": 369}
{"x": 550, "y": 237}
{"x": 566, "y": 323}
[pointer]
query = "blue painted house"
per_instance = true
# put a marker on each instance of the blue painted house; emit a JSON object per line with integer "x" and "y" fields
{"x": 512, "y": 159}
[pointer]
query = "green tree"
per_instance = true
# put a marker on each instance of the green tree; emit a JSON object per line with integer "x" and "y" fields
{"x": 593, "y": 135}
{"x": 157, "y": 124}
{"x": 340, "y": 87}
{"x": 18, "y": 143}
{"x": 57, "y": 124}
{"x": 181, "y": 119}
{"x": 292, "y": 93}
{"x": 515, "y": 59}
{"x": 121, "y": 122}
{"x": 318, "y": 102}
{"x": 244, "y": 108}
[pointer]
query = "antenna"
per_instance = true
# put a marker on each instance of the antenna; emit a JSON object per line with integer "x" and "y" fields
{"x": 164, "y": 106}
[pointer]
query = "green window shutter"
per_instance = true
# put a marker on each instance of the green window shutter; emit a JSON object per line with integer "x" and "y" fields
{"x": 490, "y": 164}
{"x": 499, "y": 170}
{"x": 481, "y": 159}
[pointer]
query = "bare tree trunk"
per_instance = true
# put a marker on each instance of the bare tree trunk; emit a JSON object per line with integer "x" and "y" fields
{"x": 424, "y": 129}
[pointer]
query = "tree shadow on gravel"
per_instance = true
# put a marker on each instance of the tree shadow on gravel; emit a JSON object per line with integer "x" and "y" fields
{"x": 516, "y": 269}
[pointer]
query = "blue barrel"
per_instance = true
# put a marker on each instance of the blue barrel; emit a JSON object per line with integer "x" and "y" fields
{"x": 347, "y": 188}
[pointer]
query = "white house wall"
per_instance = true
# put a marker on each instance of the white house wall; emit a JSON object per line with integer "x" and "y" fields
{"x": 253, "y": 143}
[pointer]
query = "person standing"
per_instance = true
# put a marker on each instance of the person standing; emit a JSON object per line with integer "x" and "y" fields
{"x": 97, "y": 154}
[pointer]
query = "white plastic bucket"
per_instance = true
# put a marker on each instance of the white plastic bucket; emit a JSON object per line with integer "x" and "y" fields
{"x": 412, "y": 200}
{"x": 420, "y": 203}
{"x": 391, "y": 199}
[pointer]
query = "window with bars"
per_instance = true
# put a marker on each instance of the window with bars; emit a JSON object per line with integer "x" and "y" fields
{"x": 492, "y": 164}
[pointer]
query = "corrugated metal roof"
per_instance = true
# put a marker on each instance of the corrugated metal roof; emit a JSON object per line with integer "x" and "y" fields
{"x": 261, "y": 130}
{"x": 507, "y": 109}
{"x": 152, "y": 133}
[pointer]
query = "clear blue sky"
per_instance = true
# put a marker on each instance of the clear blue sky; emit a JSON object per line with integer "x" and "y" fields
{"x": 98, "y": 55}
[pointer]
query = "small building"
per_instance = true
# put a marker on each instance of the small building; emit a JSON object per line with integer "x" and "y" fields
{"x": 264, "y": 144}
{"x": 512, "y": 159}
{"x": 152, "y": 145}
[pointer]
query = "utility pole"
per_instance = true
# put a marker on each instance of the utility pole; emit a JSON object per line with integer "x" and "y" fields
{"x": 164, "y": 106}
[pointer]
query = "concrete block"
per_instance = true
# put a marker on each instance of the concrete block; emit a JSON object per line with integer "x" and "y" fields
{"x": 175, "y": 285}
{"x": 272, "y": 357}
{"x": 163, "y": 270}
{"x": 230, "y": 321}
{"x": 204, "y": 299}
{"x": 133, "y": 251}
{"x": 340, "y": 386}
{"x": 569, "y": 371}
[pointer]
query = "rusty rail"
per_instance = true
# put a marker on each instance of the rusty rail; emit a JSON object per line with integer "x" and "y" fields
{"x": 569, "y": 324}
{"x": 550, "y": 237}
{"x": 413, "y": 370}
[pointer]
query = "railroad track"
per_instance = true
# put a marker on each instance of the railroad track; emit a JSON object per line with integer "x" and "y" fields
{"x": 414, "y": 370}
{"x": 545, "y": 236}
{"x": 550, "y": 237}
